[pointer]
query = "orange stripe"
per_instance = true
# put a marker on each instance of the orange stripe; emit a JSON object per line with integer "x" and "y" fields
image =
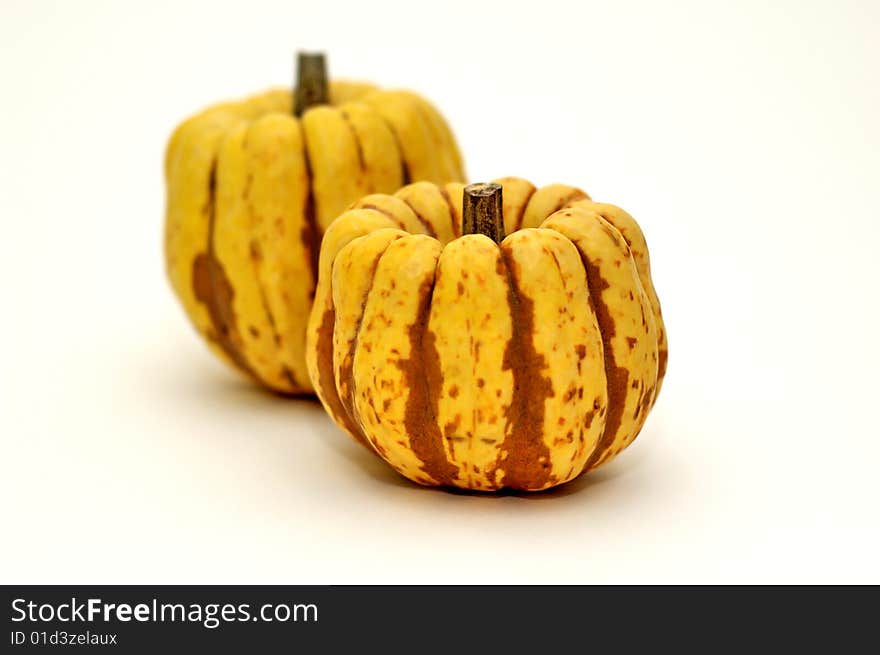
{"x": 455, "y": 219}
{"x": 661, "y": 364}
{"x": 405, "y": 175}
{"x": 617, "y": 377}
{"x": 213, "y": 289}
{"x": 424, "y": 221}
{"x": 385, "y": 213}
{"x": 527, "y": 464}
{"x": 346, "y": 374}
{"x": 423, "y": 377}
{"x": 326, "y": 383}
{"x": 310, "y": 235}
{"x": 573, "y": 196}
{"x": 517, "y": 224}
{"x": 362, "y": 165}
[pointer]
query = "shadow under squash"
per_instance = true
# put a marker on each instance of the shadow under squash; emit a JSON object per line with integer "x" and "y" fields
{"x": 374, "y": 466}
{"x": 226, "y": 390}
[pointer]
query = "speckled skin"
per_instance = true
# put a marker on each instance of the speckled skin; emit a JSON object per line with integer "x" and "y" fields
{"x": 467, "y": 363}
{"x": 251, "y": 190}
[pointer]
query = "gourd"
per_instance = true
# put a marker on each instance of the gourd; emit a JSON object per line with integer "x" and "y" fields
{"x": 469, "y": 359}
{"x": 252, "y": 185}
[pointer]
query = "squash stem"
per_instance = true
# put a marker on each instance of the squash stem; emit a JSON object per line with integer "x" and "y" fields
{"x": 311, "y": 82}
{"x": 481, "y": 211}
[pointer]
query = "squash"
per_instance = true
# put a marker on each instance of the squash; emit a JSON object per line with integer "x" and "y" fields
{"x": 468, "y": 359}
{"x": 253, "y": 185}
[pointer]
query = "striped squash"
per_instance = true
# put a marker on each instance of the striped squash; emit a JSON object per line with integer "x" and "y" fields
{"x": 470, "y": 363}
{"x": 252, "y": 185}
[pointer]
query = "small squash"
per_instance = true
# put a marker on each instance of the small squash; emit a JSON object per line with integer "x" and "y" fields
{"x": 471, "y": 360}
{"x": 252, "y": 186}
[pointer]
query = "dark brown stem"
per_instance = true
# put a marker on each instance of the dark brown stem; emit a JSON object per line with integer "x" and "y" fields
{"x": 481, "y": 211}
{"x": 311, "y": 82}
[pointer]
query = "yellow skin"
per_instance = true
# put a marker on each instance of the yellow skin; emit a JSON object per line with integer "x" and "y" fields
{"x": 466, "y": 363}
{"x": 251, "y": 190}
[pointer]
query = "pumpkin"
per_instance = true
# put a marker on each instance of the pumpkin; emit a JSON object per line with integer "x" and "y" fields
{"x": 252, "y": 186}
{"x": 468, "y": 359}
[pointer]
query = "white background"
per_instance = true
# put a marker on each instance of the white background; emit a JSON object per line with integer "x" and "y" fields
{"x": 744, "y": 137}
